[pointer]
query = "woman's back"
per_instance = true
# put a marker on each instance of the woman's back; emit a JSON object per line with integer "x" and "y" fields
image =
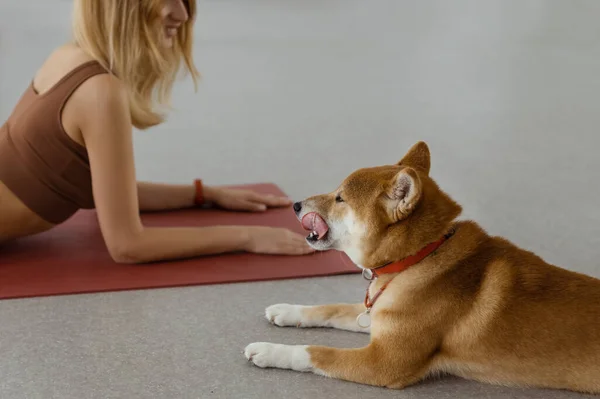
{"x": 44, "y": 170}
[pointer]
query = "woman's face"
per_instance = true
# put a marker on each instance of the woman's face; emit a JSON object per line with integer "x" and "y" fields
{"x": 173, "y": 15}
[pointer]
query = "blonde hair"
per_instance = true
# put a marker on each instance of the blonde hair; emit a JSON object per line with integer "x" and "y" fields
{"x": 122, "y": 35}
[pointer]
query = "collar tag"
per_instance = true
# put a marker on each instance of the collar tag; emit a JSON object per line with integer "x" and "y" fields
{"x": 368, "y": 274}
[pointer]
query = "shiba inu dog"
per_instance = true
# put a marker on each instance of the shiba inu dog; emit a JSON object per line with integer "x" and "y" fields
{"x": 444, "y": 297}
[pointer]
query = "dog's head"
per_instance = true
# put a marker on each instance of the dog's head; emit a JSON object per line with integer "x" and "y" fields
{"x": 380, "y": 214}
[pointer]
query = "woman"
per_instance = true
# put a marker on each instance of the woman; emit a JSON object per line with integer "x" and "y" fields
{"x": 68, "y": 143}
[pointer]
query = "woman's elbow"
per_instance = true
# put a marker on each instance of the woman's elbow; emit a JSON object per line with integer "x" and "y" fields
{"x": 126, "y": 251}
{"x": 125, "y": 258}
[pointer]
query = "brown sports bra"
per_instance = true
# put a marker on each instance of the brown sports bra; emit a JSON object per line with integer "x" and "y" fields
{"x": 46, "y": 169}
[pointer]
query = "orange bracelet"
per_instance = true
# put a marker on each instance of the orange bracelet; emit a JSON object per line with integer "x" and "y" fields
{"x": 199, "y": 197}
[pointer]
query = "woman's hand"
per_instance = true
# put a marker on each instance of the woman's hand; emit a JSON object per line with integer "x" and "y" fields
{"x": 243, "y": 200}
{"x": 276, "y": 241}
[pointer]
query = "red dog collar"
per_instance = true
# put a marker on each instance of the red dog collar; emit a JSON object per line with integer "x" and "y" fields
{"x": 401, "y": 265}
{"x": 364, "y": 319}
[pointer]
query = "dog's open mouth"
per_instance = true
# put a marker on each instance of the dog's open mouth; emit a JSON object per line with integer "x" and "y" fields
{"x": 317, "y": 226}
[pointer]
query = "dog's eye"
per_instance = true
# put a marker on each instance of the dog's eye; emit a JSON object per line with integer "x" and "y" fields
{"x": 338, "y": 198}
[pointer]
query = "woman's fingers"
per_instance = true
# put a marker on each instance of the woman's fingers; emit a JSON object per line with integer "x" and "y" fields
{"x": 250, "y": 206}
{"x": 270, "y": 199}
{"x": 300, "y": 244}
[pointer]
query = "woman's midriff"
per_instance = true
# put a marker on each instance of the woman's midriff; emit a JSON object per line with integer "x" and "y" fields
{"x": 16, "y": 220}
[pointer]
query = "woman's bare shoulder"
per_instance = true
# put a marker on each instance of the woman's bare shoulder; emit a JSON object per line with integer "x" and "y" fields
{"x": 101, "y": 96}
{"x": 57, "y": 64}
{"x": 102, "y": 107}
{"x": 98, "y": 97}
{"x": 67, "y": 57}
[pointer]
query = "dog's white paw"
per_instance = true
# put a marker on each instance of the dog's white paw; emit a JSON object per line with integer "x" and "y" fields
{"x": 260, "y": 353}
{"x": 284, "y": 315}
{"x": 265, "y": 354}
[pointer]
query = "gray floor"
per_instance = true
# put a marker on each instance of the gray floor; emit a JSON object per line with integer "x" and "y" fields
{"x": 506, "y": 92}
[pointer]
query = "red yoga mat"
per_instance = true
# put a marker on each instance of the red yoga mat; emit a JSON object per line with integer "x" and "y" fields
{"x": 72, "y": 258}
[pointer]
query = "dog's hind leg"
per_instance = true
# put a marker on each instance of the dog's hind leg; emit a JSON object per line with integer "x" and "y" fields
{"x": 339, "y": 316}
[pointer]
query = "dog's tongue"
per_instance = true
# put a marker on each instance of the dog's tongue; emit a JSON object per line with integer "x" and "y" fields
{"x": 313, "y": 222}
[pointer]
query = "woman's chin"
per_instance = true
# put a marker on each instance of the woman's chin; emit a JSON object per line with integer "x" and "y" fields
{"x": 168, "y": 42}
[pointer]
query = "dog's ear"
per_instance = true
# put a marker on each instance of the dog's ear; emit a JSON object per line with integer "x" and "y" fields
{"x": 418, "y": 157}
{"x": 405, "y": 192}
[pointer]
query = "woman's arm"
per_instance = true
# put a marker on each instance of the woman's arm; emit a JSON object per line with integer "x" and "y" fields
{"x": 107, "y": 131}
{"x": 162, "y": 196}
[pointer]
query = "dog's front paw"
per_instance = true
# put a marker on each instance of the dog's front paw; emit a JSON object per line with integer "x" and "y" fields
{"x": 265, "y": 354}
{"x": 284, "y": 315}
{"x": 260, "y": 353}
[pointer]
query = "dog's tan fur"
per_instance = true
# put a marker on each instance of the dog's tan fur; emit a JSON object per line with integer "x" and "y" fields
{"x": 479, "y": 307}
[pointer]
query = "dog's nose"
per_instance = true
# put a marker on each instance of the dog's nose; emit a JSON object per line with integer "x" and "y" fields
{"x": 297, "y": 206}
